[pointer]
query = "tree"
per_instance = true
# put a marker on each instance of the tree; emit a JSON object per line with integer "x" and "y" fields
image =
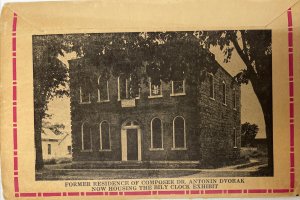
{"x": 255, "y": 49}
{"x": 248, "y": 133}
{"x": 166, "y": 55}
{"x": 50, "y": 80}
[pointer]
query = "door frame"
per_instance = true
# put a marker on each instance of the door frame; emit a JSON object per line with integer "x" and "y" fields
{"x": 124, "y": 129}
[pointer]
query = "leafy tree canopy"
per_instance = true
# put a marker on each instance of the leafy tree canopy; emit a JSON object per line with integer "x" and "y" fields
{"x": 248, "y": 133}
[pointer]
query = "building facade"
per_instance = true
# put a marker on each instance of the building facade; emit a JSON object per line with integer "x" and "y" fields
{"x": 171, "y": 121}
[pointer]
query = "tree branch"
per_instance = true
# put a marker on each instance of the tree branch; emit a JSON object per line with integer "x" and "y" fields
{"x": 243, "y": 55}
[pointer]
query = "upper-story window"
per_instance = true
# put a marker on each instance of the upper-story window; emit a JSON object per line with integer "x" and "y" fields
{"x": 224, "y": 93}
{"x": 127, "y": 89}
{"x": 156, "y": 134}
{"x": 234, "y": 98}
{"x": 85, "y": 96}
{"x": 179, "y": 135}
{"x": 86, "y": 137}
{"x": 211, "y": 86}
{"x": 104, "y": 136}
{"x": 103, "y": 90}
{"x": 178, "y": 88}
{"x": 155, "y": 89}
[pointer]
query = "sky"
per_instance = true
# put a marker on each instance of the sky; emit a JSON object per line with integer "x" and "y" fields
{"x": 250, "y": 108}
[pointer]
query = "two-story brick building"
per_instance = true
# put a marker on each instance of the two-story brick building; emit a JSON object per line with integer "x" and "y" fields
{"x": 167, "y": 122}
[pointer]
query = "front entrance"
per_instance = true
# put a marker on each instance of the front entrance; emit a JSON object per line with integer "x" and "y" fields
{"x": 131, "y": 141}
{"x": 132, "y": 144}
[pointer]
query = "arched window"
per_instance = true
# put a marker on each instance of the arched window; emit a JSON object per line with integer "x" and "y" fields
{"x": 86, "y": 137}
{"x": 103, "y": 90}
{"x": 224, "y": 93}
{"x": 179, "y": 135}
{"x": 104, "y": 136}
{"x": 85, "y": 96}
{"x": 211, "y": 86}
{"x": 156, "y": 134}
{"x": 234, "y": 98}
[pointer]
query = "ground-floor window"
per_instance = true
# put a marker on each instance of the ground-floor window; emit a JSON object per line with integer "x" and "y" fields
{"x": 49, "y": 149}
{"x": 69, "y": 149}
{"x": 234, "y": 138}
{"x": 86, "y": 136}
{"x": 104, "y": 136}
{"x": 156, "y": 134}
{"x": 179, "y": 137}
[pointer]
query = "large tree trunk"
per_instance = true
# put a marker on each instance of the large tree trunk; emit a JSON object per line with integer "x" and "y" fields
{"x": 264, "y": 95}
{"x": 267, "y": 110}
{"x": 39, "y": 164}
{"x": 39, "y": 113}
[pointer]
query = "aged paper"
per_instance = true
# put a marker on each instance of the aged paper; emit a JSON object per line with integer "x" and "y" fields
{"x": 143, "y": 99}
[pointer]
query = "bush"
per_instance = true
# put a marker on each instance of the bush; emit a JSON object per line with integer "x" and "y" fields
{"x": 51, "y": 161}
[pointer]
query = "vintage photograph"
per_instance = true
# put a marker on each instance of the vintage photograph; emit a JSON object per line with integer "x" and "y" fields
{"x": 127, "y": 105}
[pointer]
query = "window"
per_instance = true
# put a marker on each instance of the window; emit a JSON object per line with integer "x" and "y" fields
{"x": 86, "y": 137}
{"x": 179, "y": 137}
{"x": 69, "y": 149}
{"x": 104, "y": 136}
{"x": 156, "y": 134}
{"x": 126, "y": 89}
{"x": 234, "y": 98}
{"x": 49, "y": 149}
{"x": 178, "y": 88}
{"x": 211, "y": 86}
{"x": 85, "y": 97}
{"x": 234, "y": 138}
{"x": 224, "y": 93}
{"x": 103, "y": 90}
{"x": 155, "y": 89}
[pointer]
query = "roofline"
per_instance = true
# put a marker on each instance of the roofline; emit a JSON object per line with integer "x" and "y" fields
{"x": 63, "y": 138}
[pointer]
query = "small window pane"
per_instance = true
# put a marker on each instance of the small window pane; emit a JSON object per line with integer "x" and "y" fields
{"x": 179, "y": 132}
{"x": 178, "y": 87}
{"x": 155, "y": 89}
{"x": 105, "y": 135}
{"x": 156, "y": 133}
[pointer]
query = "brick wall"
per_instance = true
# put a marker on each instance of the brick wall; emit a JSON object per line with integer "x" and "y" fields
{"x": 218, "y": 120}
{"x": 209, "y": 124}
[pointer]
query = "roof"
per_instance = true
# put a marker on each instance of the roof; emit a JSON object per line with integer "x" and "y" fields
{"x": 49, "y": 134}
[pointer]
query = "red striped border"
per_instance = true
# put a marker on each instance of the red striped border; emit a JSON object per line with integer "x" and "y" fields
{"x": 159, "y": 192}
{"x": 291, "y": 94}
